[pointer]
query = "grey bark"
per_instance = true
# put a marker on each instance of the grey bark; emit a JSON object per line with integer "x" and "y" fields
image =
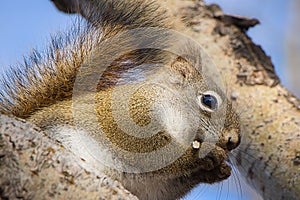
{"x": 32, "y": 166}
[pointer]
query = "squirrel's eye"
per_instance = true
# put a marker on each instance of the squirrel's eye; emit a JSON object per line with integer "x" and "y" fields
{"x": 209, "y": 101}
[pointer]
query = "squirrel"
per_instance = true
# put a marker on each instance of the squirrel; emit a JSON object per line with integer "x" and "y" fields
{"x": 152, "y": 120}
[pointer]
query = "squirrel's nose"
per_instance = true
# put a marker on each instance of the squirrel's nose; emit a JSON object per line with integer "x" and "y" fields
{"x": 230, "y": 139}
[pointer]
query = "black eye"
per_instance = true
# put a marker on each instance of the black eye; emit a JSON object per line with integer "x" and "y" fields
{"x": 210, "y": 101}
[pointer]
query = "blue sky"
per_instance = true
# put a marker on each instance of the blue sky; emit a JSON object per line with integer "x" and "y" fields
{"x": 271, "y": 33}
{"x": 28, "y": 24}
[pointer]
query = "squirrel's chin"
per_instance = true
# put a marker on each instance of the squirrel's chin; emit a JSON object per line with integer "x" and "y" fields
{"x": 214, "y": 166}
{"x": 210, "y": 168}
{"x": 210, "y": 155}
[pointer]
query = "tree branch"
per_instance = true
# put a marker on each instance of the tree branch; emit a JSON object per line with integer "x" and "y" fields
{"x": 32, "y": 166}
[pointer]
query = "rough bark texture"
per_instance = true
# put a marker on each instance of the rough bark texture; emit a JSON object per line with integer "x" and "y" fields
{"x": 34, "y": 167}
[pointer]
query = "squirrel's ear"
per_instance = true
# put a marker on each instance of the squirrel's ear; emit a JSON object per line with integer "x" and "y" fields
{"x": 184, "y": 67}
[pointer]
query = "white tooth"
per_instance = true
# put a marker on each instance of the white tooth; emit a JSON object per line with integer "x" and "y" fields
{"x": 196, "y": 144}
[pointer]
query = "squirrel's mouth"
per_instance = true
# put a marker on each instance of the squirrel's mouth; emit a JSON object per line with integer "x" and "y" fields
{"x": 208, "y": 162}
{"x": 203, "y": 161}
{"x": 209, "y": 155}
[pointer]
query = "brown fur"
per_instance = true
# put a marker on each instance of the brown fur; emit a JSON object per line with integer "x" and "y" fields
{"x": 42, "y": 80}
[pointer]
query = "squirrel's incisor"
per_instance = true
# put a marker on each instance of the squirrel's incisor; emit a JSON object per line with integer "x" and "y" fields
{"x": 153, "y": 121}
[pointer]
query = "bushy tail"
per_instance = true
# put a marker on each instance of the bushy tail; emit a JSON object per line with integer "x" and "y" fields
{"x": 44, "y": 78}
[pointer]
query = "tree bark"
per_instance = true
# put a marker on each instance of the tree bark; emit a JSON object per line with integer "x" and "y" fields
{"x": 35, "y": 167}
{"x": 32, "y": 166}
